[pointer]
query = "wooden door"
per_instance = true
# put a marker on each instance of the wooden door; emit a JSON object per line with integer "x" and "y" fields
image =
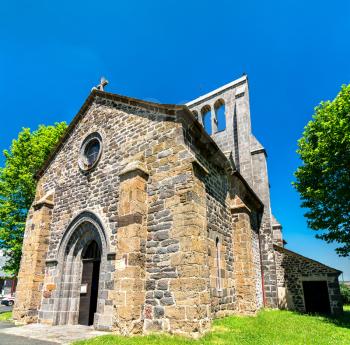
{"x": 316, "y": 297}
{"x": 89, "y": 284}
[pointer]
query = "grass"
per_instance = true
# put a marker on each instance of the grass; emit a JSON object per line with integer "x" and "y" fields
{"x": 6, "y": 316}
{"x": 269, "y": 327}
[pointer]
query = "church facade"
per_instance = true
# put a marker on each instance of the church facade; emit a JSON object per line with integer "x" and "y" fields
{"x": 152, "y": 217}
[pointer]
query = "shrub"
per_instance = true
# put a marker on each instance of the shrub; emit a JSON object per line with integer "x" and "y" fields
{"x": 345, "y": 292}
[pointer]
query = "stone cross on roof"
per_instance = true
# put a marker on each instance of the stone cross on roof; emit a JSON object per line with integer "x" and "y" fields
{"x": 101, "y": 85}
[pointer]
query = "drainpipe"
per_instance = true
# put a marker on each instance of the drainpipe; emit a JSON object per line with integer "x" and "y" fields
{"x": 261, "y": 268}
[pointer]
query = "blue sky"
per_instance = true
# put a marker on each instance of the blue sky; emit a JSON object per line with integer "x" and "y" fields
{"x": 296, "y": 53}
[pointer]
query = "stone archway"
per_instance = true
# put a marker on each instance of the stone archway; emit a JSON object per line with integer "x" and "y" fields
{"x": 84, "y": 242}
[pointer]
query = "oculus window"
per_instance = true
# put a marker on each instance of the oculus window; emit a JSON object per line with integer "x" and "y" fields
{"x": 90, "y": 152}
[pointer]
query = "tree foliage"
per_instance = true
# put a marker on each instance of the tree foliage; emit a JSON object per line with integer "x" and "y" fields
{"x": 323, "y": 180}
{"x": 17, "y": 185}
{"x": 345, "y": 293}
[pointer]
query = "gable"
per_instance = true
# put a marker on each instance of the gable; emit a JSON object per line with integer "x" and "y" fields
{"x": 299, "y": 257}
{"x": 168, "y": 112}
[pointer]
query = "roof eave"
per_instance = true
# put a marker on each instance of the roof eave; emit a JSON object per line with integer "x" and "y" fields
{"x": 304, "y": 257}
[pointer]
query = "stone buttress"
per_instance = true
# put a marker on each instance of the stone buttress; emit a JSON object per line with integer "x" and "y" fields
{"x": 32, "y": 268}
{"x": 129, "y": 291}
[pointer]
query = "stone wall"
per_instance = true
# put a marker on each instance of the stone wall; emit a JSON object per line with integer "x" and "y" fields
{"x": 244, "y": 272}
{"x": 129, "y": 293}
{"x": 249, "y": 158}
{"x": 177, "y": 296}
{"x": 219, "y": 231}
{"x": 182, "y": 220}
{"x": 32, "y": 269}
{"x": 123, "y": 129}
{"x": 257, "y": 267}
{"x": 293, "y": 269}
{"x": 236, "y": 273}
{"x": 159, "y": 205}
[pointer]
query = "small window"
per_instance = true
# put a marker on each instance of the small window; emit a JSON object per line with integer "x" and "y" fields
{"x": 218, "y": 265}
{"x": 90, "y": 151}
{"x": 206, "y": 116}
{"x": 220, "y": 115}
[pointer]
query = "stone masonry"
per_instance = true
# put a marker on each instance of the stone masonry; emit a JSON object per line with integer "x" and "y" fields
{"x": 293, "y": 269}
{"x": 249, "y": 158}
{"x": 181, "y": 219}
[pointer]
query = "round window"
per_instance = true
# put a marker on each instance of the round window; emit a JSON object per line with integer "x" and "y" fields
{"x": 90, "y": 151}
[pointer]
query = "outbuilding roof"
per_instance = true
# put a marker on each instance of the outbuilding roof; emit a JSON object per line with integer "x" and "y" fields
{"x": 287, "y": 251}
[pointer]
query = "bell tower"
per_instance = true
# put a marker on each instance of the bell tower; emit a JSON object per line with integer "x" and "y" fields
{"x": 225, "y": 115}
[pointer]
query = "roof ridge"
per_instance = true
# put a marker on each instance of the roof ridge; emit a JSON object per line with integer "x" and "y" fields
{"x": 304, "y": 257}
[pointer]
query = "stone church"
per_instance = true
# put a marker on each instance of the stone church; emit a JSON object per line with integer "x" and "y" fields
{"x": 157, "y": 217}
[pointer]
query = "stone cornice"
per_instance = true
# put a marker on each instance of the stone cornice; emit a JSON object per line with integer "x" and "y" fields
{"x": 46, "y": 200}
{"x": 242, "y": 208}
{"x": 135, "y": 167}
{"x": 200, "y": 166}
{"x": 257, "y": 151}
{"x": 38, "y": 205}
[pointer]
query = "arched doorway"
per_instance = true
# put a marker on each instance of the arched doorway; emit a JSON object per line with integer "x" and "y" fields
{"x": 80, "y": 274}
{"x": 91, "y": 258}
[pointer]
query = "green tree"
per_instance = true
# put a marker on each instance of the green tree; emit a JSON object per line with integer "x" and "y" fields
{"x": 323, "y": 180}
{"x": 17, "y": 185}
{"x": 345, "y": 293}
